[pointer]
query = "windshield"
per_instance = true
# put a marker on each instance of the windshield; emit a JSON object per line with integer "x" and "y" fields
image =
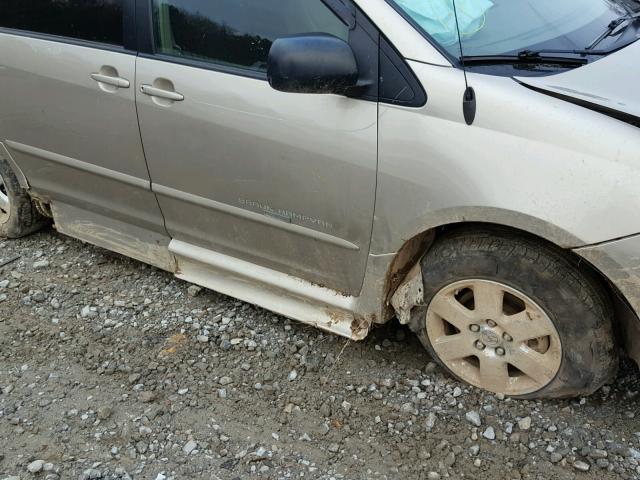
{"x": 499, "y": 27}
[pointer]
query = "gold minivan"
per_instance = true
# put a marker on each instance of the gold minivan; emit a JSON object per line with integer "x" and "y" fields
{"x": 470, "y": 167}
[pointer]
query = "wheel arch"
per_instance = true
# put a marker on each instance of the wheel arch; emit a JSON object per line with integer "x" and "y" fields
{"x": 412, "y": 251}
{"x": 418, "y": 243}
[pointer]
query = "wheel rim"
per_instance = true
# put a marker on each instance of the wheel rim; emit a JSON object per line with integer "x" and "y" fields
{"x": 494, "y": 337}
{"x": 5, "y": 205}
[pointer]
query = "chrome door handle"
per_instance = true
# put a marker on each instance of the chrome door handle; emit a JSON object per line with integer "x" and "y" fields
{"x": 108, "y": 80}
{"x": 161, "y": 93}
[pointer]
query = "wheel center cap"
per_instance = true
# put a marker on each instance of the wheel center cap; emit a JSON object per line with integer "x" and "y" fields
{"x": 490, "y": 338}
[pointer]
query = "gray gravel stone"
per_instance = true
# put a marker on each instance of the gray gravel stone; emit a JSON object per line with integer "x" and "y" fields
{"x": 473, "y": 418}
{"x": 489, "y": 433}
{"x": 189, "y": 447}
{"x": 524, "y": 423}
{"x": 431, "y": 421}
{"x": 104, "y": 412}
{"x": 91, "y": 474}
{"x": 35, "y": 466}
{"x": 147, "y": 396}
{"x": 88, "y": 312}
{"x": 40, "y": 264}
{"x": 582, "y": 466}
{"x": 194, "y": 290}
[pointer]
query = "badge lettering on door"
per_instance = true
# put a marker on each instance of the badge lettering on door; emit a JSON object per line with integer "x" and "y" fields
{"x": 284, "y": 215}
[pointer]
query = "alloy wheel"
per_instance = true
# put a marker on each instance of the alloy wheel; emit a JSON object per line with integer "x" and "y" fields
{"x": 494, "y": 337}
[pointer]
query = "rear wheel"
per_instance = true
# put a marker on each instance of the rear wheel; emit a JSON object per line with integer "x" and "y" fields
{"x": 18, "y": 214}
{"x": 511, "y": 315}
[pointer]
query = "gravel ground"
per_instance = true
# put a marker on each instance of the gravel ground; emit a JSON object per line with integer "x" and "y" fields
{"x": 110, "y": 369}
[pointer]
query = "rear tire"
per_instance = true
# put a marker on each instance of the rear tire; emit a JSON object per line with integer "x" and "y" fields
{"x": 18, "y": 214}
{"x": 512, "y": 315}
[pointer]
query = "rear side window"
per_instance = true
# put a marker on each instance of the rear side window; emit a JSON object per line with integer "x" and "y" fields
{"x": 92, "y": 20}
{"x": 237, "y": 33}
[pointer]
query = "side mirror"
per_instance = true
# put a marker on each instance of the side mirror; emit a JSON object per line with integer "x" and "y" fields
{"x": 314, "y": 63}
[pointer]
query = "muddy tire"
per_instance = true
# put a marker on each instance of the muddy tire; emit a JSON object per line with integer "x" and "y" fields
{"x": 18, "y": 214}
{"x": 512, "y": 315}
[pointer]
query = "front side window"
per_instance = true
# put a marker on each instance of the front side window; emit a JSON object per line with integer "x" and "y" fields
{"x": 236, "y": 33}
{"x": 93, "y": 20}
{"x": 502, "y": 27}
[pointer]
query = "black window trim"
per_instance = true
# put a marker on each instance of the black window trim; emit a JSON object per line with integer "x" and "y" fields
{"x": 420, "y": 95}
{"x": 128, "y": 33}
{"x": 205, "y": 65}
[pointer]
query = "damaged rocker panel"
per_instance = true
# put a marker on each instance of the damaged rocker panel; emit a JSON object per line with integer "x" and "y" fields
{"x": 275, "y": 291}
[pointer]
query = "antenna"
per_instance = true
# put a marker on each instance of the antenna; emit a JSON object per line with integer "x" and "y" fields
{"x": 469, "y": 98}
{"x": 464, "y": 70}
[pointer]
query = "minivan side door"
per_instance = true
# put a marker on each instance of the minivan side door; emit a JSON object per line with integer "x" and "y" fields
{"x": 285, "y": 181}
{"x": 67, "y": 107}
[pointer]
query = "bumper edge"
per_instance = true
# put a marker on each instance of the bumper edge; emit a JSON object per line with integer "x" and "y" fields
{"x": 619, "y": 262}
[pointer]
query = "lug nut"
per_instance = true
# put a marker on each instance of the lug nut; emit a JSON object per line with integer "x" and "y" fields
{"x": 491, "y": 323}
{"x": 507, "y": 337}
{"x": 500, "y": 351}
{"x": 479, "y": 345}
{"x": 474, "y": 328}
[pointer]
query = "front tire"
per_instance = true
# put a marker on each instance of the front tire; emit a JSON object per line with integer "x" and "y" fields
{"x": 512, "y": 315}
{"x": 18, "y": 214}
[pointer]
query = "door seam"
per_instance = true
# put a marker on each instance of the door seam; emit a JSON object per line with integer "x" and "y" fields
{"x": 144, "y": 153}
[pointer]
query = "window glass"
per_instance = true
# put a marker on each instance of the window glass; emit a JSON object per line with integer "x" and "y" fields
{"x": 93, "y": 20}
{"x": 499, "y": 27}
{"x": 237, "y": 32}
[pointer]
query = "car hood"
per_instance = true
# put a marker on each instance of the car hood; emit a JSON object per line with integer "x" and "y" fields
{"x": 610, "y": 84}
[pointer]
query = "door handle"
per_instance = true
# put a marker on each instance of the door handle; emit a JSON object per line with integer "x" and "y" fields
{"x": 109, "y": 80}
{"x": 161, "y": 93}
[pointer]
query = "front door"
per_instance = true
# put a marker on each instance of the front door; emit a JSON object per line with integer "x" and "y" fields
{"x": 285, "y": 181}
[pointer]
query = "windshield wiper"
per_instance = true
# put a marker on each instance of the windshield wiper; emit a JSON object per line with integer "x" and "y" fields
{"x": 539, "y": 53}
{"x": 527, "y": 57}
{"x": 542, "y": 57}
{"x": 612, "y": 27}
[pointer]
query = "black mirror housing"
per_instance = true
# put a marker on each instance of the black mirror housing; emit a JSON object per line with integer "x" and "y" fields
{"x": 312, "y": 63}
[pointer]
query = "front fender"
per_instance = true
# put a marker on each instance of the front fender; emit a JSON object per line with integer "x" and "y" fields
{"x": 529, "y": 161}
